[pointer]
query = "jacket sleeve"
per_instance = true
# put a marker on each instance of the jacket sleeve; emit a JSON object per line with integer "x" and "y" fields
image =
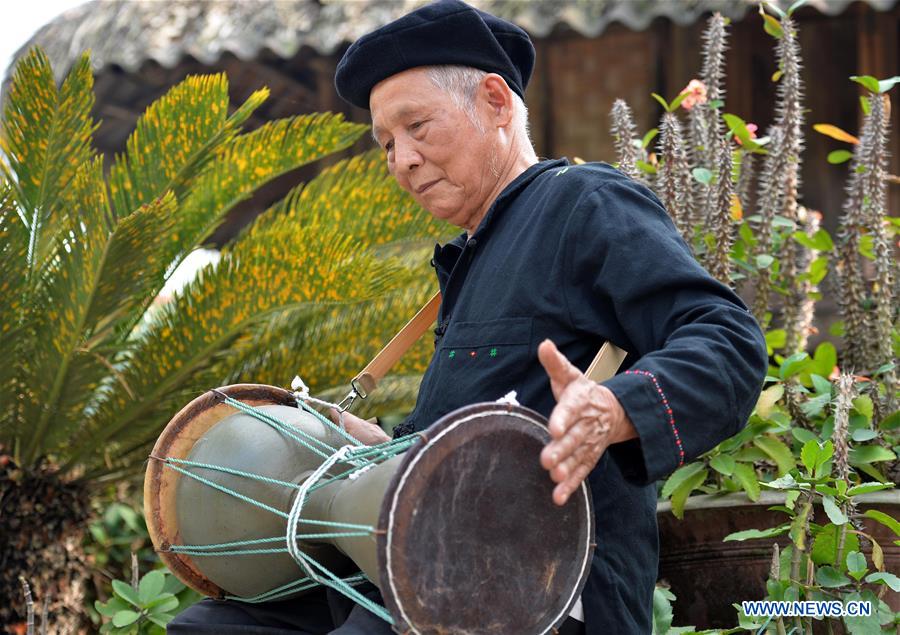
{"x": 700, "y": 356}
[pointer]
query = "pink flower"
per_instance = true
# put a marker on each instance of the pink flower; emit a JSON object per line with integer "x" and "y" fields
{"x": 696, "y": 91}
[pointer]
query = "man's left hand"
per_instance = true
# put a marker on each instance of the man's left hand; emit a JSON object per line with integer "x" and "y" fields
{"x": 587, "y": 419}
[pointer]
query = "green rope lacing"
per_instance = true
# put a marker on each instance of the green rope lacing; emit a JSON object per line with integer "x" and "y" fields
{"x": 361, "y": 457}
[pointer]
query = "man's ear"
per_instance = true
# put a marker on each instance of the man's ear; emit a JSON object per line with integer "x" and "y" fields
{"x": 497, "y": 99}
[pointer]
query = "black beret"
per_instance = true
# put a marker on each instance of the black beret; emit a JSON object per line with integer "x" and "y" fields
{"x": 443, "y": 32}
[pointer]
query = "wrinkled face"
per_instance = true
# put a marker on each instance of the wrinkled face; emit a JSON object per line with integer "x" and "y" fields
{"x": 433, "y": 149}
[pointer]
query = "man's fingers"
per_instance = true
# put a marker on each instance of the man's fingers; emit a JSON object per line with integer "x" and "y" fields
{"x": 563, "y": 491}
{"x": 559, "y": 369}
{"x": 560, "y": 449}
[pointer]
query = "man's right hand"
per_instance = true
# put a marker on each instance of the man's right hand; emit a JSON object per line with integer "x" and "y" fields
{"x": 366, "y": 432}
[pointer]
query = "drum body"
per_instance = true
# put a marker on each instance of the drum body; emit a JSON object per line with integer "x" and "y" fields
{"x": 466, "y": 537}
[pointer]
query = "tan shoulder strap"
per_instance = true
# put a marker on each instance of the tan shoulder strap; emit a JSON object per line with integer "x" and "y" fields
{"x": 604, "y": 366}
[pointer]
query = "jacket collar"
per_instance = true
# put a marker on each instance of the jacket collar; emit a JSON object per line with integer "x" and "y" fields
{"x": 445, "y": 256}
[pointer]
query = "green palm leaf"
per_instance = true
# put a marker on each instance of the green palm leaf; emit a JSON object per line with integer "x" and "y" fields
{"x": 13, "y": 278}
{"x": 364, "y": 199}
{"x": 310, "y": 265}
{"x": 175, "y": 139}
{"x": 239, "y": 167}
{"x": 46, "y": 136}
{"x": 63, "y": 360}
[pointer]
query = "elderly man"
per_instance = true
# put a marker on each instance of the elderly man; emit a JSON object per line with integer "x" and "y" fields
{"x": 554, "y": 260}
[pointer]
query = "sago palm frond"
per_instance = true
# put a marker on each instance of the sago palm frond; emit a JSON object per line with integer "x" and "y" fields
{"x": 310, "y": 265}
{"x": 240, "y": 165}
{"x": 175, "y": 139}
{"x": 46, "y": 137}
{"x": 363, "y": 183}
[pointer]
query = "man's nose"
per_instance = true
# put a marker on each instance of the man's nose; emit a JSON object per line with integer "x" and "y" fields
{"x": 406, "y": 157}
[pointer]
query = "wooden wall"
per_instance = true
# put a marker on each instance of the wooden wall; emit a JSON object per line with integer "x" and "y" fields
{"x": 577, "y": 79}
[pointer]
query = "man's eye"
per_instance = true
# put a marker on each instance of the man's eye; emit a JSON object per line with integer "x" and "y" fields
{"x": 416, "y": 125}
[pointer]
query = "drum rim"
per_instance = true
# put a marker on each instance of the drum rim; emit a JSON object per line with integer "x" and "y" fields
{"x": 160, "y": 484}
{"x": 392, "y": 497}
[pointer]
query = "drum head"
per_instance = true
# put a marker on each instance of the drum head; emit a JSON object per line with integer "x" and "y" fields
{"x": 471, "y": 541}
{"x": 177, "y": 441}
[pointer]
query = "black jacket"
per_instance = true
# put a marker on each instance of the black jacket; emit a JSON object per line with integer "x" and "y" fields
{"x": 583, "y": 254}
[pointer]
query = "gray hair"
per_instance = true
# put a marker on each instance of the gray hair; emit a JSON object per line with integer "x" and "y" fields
{"x": 461, "y": 84}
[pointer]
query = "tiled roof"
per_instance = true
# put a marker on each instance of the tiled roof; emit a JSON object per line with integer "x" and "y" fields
{"x": 127, "y": 33}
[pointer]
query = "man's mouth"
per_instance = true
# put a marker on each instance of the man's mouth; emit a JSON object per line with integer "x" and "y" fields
{"x": 427, "y": 186}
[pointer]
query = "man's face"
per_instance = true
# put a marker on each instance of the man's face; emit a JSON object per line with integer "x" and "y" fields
{"x": 432, "y": 147}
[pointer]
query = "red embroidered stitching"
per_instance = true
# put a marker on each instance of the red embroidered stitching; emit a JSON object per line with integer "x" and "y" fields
{"x": 668, "y": 408}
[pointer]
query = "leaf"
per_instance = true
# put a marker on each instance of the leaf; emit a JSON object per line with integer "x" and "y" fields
{"x": 702, "y": 175}
{"x": 835, "y": 515}
{"x": 151, "y": 586}
{"x": 776, "y": 338}
{"x": 723, "y": 464}
{"x": 835, "y": 133}
{"x": 161, "y": 156}
{"x": 891, "y": 422}
{"x": 830, "y": 578}
{"x": 836, "y": 157}
{"x": 888, "y": 521}
{"x": 820, "y": 241}
{"x": 163, "y": 603}
{"x": 646, "y": 168}
{"x": 679, "y": 476}
{"x": 661, "y": 100}
{"x": 864, "y": 104}
{"x": 648, "y": 138}
{"x": 750, "y": 534}
{"x": 772, "y": 26}
{"x": 767, "y": 400}
{"x": 825, "y": 454}
{"x": 883, "y": 577}
{"x": 856, "y": 565}
{"x": 877, "y": 554}
{"x": 792, "y": 365}
{"x": 865, "y": 624}
{"x": 777, "y": 451}
{"x": 737, "y": 209}
{"x": 161, "y": 619}
{"x": 825, "y": 546}
{"x": 821, "y": 385}
{"x": 46, "y": 138}
{"x": 795, "y": 6}
{"x": 763, "y": 261}
{"x": 662, "y": 610}
{"x": 125, "y": 592}
{"x": 746, "y": 476}
{"x": 884, "y": 86}
{"x": 677, "y": 101}
{"x": 809, "y": 455}
{"x": 124, "y": 618}
{"x": 803, "y": 435}
{"x": 681, "y": 493}
{"x": 776, "y": 76}
{"x": 864, "y": 406}
{"x": 111, "y": 607}
{"x": 870, "y": 454}
{"x": 867, "y": 488}
{"x": 785, "y": 482}
{"x": 869, "y": 82}
{"x": 824, "y": 359}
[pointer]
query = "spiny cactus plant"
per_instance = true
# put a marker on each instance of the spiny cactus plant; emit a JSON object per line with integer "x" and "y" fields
{"x": 780, "y": 180}
{"x": 674, "y": 180}
{"x": 624, "y": 135}
{"x": 868, "y": 306}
